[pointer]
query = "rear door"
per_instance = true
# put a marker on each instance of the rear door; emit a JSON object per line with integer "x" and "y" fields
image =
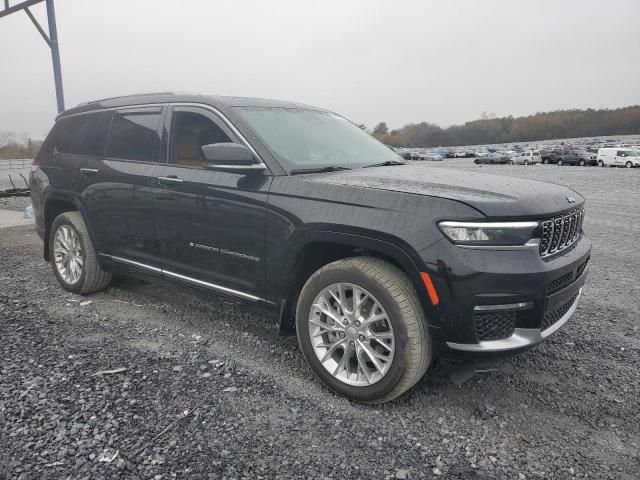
{"x": 117, "y": 186}
{"x": 211, "y": 225}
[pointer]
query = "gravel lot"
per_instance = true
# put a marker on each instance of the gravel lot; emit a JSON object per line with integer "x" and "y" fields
{"x": 211, "y": 391}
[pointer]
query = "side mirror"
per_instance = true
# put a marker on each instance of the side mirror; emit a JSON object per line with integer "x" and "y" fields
{"x": 230, "y": 157}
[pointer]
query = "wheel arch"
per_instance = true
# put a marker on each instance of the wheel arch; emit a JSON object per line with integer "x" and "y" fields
{"x": 312, "y": 250}
{"x": 57, "y": 203}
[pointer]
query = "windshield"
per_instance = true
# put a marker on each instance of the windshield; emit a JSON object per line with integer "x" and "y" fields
{"x": 302, "y": 138}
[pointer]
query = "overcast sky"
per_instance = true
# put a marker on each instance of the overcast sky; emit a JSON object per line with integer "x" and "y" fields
{"x": 397, "y": 61}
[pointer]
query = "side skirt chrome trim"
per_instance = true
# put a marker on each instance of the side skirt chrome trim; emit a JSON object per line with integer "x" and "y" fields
{"x": 211, "y": 285}
{"x": 185, "y": 278}
{"x": 131, "y": 262}
{"x": 522, "y": 337}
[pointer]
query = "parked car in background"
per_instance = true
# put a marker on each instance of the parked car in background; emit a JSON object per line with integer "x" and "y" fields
{"x": 576, "y": 156}
{"x": 616, "y": 157}
{"x": 492, "y": 159}
{"x": 402, "y": 153}
{"x": 550, "y": 155}
{"x": 525, "y": 158}
{"x": 416, "y": 155}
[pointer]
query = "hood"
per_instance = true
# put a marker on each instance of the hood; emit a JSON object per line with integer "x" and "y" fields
{"x": 493, "y": 195}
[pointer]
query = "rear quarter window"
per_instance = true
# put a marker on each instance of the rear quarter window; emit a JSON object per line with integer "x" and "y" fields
{"x": 78, "y": 135}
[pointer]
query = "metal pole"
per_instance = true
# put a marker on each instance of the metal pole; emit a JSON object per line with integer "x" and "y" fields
{"x": 55, "y": 54}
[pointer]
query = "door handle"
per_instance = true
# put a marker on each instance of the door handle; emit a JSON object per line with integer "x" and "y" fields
{"x": 87, "y": 172}
{"x": 171, "y": 179}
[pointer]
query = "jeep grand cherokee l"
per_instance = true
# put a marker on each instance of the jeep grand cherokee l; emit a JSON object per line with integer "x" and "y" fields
{"x": 378, "y": 265}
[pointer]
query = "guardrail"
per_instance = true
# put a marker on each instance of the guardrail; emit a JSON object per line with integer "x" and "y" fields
{"x": 15, "y": 163}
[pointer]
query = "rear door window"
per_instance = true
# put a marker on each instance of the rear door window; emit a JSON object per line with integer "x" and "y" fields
{"x": 135, "y": 135}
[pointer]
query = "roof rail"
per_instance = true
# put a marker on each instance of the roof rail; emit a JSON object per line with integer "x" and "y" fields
{"x": 125, "y": 96}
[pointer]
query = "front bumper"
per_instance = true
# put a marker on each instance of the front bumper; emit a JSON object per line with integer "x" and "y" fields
{"x": 503, "y": 301}
{"x": 522, "y": 338}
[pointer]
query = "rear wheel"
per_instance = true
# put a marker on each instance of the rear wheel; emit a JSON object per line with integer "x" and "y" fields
{"x": 511, "y": 162}
{"x": 582, "y": 163}
{"x": 362, "y": 329}
{"x": 526, "y": 162}
{"x": 560, "y": 162}
{"x": 544, "y": 161}
{"x": 73, "y": 258}
{"x": 628, "y": 165}
{"x": 600, "y": 163}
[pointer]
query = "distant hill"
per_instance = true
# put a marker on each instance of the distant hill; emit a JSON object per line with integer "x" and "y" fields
{"x": 541, "y": 126}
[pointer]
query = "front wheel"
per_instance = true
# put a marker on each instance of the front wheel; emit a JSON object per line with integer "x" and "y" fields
{"x": 582, "y": 163}
{"x": 600, "y": 163}
{"x": 511, "y": 162}
{"x": 628, "y": 165}
{"x": 526, "y": 162}
{"x": 362, "y": 329}
{"x": 560, "y": 163}
{"x": 73, "y": 258}
{"x": 544, "y": 161}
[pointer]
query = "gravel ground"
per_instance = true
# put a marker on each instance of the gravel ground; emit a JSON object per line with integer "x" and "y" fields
{"x": 13, "y": 203}
{"x": 211, "y": 391}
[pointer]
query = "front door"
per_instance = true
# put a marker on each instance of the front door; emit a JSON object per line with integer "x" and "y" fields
{"x": 210, "y": 225}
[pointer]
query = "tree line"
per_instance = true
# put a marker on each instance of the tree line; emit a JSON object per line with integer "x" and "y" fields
{"x": 15, "y": 145}
{"x": 541, "y": 126}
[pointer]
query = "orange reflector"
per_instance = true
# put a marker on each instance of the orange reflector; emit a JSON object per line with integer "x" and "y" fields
{"x": 431, "y": 289}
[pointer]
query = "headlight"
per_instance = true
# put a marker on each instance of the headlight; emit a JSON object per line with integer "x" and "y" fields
{"x": 489, "y": 233}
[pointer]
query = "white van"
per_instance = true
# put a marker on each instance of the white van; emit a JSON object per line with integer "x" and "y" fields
{"x": 618, "y": 157}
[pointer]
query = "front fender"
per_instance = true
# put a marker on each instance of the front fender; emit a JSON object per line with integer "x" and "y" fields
{"x": 361, "y": 242}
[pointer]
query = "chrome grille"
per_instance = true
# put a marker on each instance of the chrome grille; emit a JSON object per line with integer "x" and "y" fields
{"x": 559, "y": 233}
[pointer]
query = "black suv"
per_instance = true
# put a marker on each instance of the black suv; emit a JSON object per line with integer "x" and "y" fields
{"x": 550, "y": 156}
{"x": 576, "y": 156}
{"x": 378, "y": 265}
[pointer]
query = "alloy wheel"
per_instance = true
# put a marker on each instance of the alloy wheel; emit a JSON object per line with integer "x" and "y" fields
{"x": 68, "y": 255}
{"x": 351, "y": 334}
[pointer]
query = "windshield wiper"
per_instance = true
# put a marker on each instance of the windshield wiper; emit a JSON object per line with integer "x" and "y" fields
{"x": 388, "y": 163}
{"x": 330, "y": 168}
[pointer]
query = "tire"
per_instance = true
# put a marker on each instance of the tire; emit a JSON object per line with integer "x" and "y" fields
{"x": 403, "y": 317}
{"x": 544, "y": 161}
{"x": 600, "y": 163}
{"x": 628, "y": 165}
{"x": 92, "y": 277}
{"x": 582, "y": 163}
{"x": 511, "y": 162}
{"x": 560, "y": 162}
{"x": 526, "y": 162}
